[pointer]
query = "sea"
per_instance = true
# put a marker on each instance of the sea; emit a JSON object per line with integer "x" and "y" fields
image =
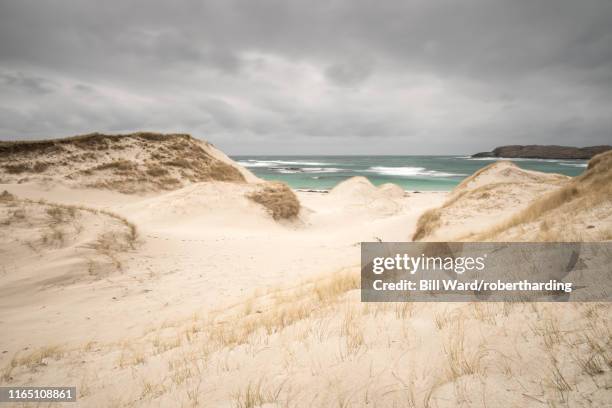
{"x": 413, "y": 173}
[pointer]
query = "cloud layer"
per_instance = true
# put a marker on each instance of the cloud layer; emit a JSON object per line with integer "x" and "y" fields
{"x": 295, "y": 77}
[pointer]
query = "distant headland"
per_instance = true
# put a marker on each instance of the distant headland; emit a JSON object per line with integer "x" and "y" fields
{"x": 545, "y": 152}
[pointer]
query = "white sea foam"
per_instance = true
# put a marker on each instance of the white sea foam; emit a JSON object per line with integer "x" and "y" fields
{"x": 574, "y": 164}
{"x": 308, "y": 170}
{"x": 411, "y": 171}
{"x": 300, "y": 163}
{"x": 253, "y": 163}
{"x": 276, "y": 163}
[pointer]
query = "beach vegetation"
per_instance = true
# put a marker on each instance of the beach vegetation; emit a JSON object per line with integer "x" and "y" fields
{"x": 280, "y": 201}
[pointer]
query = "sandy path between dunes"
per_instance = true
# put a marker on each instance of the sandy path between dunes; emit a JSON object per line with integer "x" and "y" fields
{"x": 200, "y": 248}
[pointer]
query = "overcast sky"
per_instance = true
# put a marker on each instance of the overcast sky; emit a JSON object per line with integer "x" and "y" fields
{"x": 311, "y": 77}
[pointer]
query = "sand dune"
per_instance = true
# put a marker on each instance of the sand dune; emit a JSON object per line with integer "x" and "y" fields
{"x": 359, "y": 193}
{"x": 360, "y": 189}
{"x": 483, "y": 199}
{"x": 195, "y": 248}
{"x": 201, "y": 205}
{"x": 70, "y": 243}
{"x": 132, "y": 163}
{"x": 50, "y": 249}
{"x": 583, "y": 203}
{"x": 505, "y": 203}
{"x": 205, "y": 297}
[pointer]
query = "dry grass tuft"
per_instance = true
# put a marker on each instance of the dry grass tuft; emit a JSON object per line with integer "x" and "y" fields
{"x": 6, "y": 196}
{"x": 34, "y": 359}
{"x": 255, "y": 395}
{"x": 130, "y": 357}
{"x": 40, "y": 167}
{"x": 427, "y": 223}
{"x": 15, "y": 215}
{"x": 289, "y": 307}
{"x": 61, "y": 214}
{"x": 221, "y": 171}
{"x": 123, "y": 165}
{"x": 278, "y": 199}
{"x": 180, "y": 162}
{"x": 17, "y": 168}
{"x": 156, "y": 171}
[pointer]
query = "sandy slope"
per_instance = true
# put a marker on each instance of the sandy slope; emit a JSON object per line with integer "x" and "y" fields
{"x": 503, "y": 202}
{"x": 584, "y": 204}
{"x": 483, "y": 199}
{"x": 198, "y": 248}
{"x": 215, "y": 303}
{"x": 131, "y": 163}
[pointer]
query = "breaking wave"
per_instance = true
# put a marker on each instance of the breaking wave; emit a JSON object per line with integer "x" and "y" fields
{"x": 412, "y": 171}
{"x": 276, "y": 163}
{"x": 293, "y": 170}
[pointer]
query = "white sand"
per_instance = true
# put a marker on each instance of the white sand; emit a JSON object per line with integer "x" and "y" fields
{"x": 217, "y": 304}
{"x": 199, "y": 248}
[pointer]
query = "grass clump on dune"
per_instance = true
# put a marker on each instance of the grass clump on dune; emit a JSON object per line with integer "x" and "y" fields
{"x": 427, "y": 223}
{"x": 6, "y": 196}
{"x": 278, "y": 199}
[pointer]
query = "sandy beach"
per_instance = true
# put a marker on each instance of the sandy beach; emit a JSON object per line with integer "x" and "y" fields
{"x": 243, "y": 293}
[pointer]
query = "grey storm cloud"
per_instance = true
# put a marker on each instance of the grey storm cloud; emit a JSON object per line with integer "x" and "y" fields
{"x": 350, "y": 72}
{"x": 26, "y": 83}
{"x": 288, "y": 76}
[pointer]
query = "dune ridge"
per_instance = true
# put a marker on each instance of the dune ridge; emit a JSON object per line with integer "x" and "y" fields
{"x": 584, "y": 203}
{"x": 359, "y": 192}
{"x": 480, "y": 200}
{"x": 502, "y": 202}
{"x": 130, "y": 163}
{"x": 71, "y": 244}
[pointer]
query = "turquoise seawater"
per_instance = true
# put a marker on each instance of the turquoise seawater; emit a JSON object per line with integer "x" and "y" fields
{"x": 438, "y": 173}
